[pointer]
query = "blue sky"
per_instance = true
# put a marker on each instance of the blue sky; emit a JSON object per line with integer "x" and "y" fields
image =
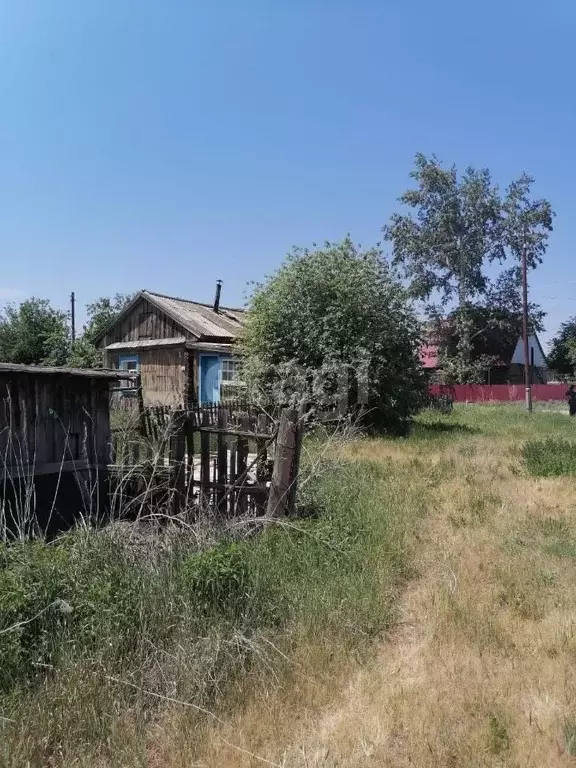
{"x": 166, "y": 144}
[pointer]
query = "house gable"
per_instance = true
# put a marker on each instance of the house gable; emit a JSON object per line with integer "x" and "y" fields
{"x": 539, "y": 360}
{"x": 143, "y": 320}
{"x": 155, "y": 316}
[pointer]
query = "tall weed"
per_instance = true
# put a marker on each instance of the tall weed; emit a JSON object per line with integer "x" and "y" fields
{"x": 550, "y": 457}
{"x": 91, "y": 638}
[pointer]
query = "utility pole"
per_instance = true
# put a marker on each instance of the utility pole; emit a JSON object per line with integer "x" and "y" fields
{"x": 73, "y": 317}
{"x": 527, "y": 373}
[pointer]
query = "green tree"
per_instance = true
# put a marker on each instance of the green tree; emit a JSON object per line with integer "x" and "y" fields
{"x": 457, "y": 226}
{"x": 526, "y": 222}
{"x": 101, "y": 313}
{"x": 495, "y": 327}
{"x": 34, "y": 333}
{"x": 332, "y": 310}
{"x": 561, "y": 356}
{"x": 442, "y": 245}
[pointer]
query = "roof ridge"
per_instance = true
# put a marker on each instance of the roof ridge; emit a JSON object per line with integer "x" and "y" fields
{"x": 191, "y": 301}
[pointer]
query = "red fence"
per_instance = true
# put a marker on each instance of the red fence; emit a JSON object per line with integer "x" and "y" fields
{"x": 485, "y": 393}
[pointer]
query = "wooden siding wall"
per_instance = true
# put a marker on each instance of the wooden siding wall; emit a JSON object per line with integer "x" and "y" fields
{"x": 49, "y": 419}
{"x": 145, "y": 321}
{"x": 163, "y": 374}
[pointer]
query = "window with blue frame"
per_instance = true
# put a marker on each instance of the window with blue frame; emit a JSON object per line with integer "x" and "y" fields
{"x": 129, "y": 363}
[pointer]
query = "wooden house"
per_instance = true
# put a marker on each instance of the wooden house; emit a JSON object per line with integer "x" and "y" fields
{"x": 507, "y": 360}
{"x": 183, "y": 350}
{"x": 55, "y": 444}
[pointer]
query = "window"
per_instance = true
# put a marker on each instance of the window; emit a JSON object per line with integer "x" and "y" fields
{"x": 129, "y": 363}
{"x": 231, "y": 370}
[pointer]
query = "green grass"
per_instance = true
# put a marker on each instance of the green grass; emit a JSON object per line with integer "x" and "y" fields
{"x": 570, "y": 737}
{"x": 94, "y": 628}
{"x": 550, "y": 457}
{"x": 88, "y": 624}
{"x": 510, "y": 419}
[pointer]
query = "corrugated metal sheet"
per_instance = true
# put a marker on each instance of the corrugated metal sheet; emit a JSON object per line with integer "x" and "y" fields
{"x": 177, "y": 341}
{"x": 489, "y": 393}
{"x": 200, "y": 319}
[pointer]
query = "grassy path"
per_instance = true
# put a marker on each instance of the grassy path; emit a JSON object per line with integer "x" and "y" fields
{"x": 480, "y": 667}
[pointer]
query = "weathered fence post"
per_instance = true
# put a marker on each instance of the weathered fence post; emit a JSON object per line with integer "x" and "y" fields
{"x": 279, "y": 496}
{"x": 297, "y": 452}
{"x": 222, "y": 448}
{"x": 178, "y": 459}
{"x": 262, "y": 425}
{"x": 189, "y": 426}
{"x": 243, "y": 448}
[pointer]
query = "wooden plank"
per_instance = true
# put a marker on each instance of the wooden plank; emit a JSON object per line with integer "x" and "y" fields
{"x": 261, "y": 446}
{"x": 232, "y": 495}
{"x": 204, "y": 461}
{"x": 243, "y": 448}
{"x": 279, "y": 497}
{"x": 262, "y": 457}
{"x": 190, "y": 452}
{"x": 237, "y": 432}
{"x": 222, "y": 498}
{"x": 178, "y": 459}
{"x": 239, "y": 489}
{"x": 296, "y": 460}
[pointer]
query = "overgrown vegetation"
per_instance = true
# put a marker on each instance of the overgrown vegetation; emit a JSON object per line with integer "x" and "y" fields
{"x": 562, "y": 354}
{"x": 97, "y": 627}
{"x": 35, "y": 333}
{"x": 112, "y": 640}
{"x": 551, "y": 457}
{"x": 333, "y": 323}
{"x": 479, "y": 669}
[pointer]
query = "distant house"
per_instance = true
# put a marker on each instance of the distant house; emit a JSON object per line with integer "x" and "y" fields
{"x": 183, "y": 350}
{"x": 508, "y": 367}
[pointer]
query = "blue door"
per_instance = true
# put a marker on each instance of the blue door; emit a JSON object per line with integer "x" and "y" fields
{"x": 209, "y": 379}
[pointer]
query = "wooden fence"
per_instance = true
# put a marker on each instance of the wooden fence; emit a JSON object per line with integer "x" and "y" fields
{"x": 234, "y": 459}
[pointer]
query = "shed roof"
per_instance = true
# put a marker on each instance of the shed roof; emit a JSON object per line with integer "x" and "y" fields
{"x": 175, "y": 341}
{"x": 199, "y": 319}
{"x": 49, "y": 370}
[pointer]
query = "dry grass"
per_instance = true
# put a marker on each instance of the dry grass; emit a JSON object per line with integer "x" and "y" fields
{"x": 480, "y": 668}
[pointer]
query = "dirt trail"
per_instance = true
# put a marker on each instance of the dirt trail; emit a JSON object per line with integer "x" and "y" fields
{"x": 480, "y": 668}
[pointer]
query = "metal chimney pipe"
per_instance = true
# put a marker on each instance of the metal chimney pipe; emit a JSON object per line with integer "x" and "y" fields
{"x": 217, "y": 297}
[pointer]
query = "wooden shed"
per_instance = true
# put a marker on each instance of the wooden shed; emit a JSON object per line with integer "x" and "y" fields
{"x": 55, "y": 444}
{"x": 184, "y": 351}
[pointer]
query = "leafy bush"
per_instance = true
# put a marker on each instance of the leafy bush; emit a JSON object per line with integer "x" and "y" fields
{"x": 330, "y": 314}
{"x": 550, "y": 457}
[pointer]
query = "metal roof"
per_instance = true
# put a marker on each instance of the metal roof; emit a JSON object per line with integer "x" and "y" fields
{"x": 200, "y": 319}
{"x": 49, "y": 370}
